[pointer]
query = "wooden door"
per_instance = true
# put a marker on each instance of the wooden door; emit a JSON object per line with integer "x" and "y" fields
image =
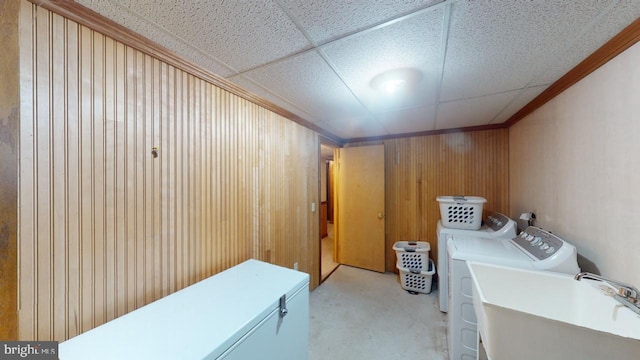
{"x": 360, "y": 207}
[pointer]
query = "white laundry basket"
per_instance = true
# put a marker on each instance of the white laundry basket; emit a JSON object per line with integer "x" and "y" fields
{"x": 461, "y": 212}
{"x": 417, "y": 281}
{"x": 412, "y": 254}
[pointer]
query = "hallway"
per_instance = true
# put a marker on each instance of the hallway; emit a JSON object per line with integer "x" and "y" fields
{"x": 327, "y": 265}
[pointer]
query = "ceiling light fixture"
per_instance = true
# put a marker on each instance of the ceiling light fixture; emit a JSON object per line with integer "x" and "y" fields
{"x": 393, "y": 81}
{"x": 393, "y": 85}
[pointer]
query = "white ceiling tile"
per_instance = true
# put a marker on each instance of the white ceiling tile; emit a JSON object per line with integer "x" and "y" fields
{"x": 283, "y": 103}
{"x": 120, "y": 15}
{"x": 624, "y": 13}
{"x": 412, "y": 43}
{"x": 472, "y": 112}
{"x": 518, "y": 102}
{"x": 497, "y": 46}
{"x": 307, "y": 81}
{"x": 409, "y": 120}
{"x": 357, "y": 127}
{"x": 241, "y": 34}
{"x": 264, "y": 93}
{"x": 326, "y": 20}
{"x": 335, "y": 128}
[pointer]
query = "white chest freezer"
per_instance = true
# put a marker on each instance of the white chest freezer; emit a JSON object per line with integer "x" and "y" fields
{"x": 254, "y": 310}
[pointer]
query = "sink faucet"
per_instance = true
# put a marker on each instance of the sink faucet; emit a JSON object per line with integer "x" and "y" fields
{"x": 627, "y": 294}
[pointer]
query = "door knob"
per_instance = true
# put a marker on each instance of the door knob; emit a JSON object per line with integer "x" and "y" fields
{"x": 380, "y": 216}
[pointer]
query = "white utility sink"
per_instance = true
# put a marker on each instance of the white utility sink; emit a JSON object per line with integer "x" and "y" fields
{"x": 525, "y": 314}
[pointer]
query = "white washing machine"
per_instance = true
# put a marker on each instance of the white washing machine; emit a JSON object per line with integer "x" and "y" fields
{"x": 533, "y": 249}
{"x": 497, "y": 226}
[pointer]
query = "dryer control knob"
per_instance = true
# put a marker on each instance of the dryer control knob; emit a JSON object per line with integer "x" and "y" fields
{"x": 550, "y": 250}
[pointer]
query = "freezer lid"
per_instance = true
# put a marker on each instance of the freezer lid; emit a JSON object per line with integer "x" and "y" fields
{"x": 199, "y": 321}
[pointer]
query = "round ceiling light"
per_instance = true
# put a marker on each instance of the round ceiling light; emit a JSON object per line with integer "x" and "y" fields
{"x": 393, "y": 85}
{"x": 396, "y": 80}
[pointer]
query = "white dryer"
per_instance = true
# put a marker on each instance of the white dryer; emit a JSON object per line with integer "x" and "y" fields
{"x": 496, "y": 226}
{"x": 533, "y": 249}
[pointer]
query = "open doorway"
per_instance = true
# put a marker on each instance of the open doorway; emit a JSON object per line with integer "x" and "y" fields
{"x": 327, "y": 239}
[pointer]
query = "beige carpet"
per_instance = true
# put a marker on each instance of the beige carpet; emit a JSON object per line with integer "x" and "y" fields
{"x": 359, "y": 314}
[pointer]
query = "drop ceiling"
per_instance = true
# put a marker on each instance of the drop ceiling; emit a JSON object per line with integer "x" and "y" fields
{"x": 479, "y": 61}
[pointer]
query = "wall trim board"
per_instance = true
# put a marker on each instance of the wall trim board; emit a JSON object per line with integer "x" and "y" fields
{"x": 330, "y": 142}
{"x": 612, "y": 48}
{"x": 87, "y": 17}
{"x": 428, "y": 133}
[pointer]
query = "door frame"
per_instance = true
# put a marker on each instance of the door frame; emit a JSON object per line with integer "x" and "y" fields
{"x": 323, "y": 141}
{"x": 356, "y": 258}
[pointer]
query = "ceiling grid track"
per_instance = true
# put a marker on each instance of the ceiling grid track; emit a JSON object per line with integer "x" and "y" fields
{"x": 316, "y": 45}
{"x": 319, "y": 49}
{"x": 175, "y": 36}
{"x": 444, "y": 39}
{"x": 330, "y": 63}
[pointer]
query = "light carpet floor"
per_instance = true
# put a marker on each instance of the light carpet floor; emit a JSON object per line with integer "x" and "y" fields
{"x": 360, "y": 314}
{"x": 327, "y": 265}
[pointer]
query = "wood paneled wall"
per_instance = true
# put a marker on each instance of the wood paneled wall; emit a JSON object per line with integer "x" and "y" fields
{"x": 9, "y": 140}
{"x": 105, "y": 226}
{"x": 418, "y": 169}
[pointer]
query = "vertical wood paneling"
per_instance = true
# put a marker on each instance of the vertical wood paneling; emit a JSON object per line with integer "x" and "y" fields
{"x": 98, "y": 160}
{"x": 72, "y": 175}
{"x": 130, "y": 169}
{"x": 119, "y": 175}
{"x": 9, "y": 166}
{"x": 418, "y": 169}
{"x": 105, "y": 227}
{"x": 109, "y": 174}
{"x": 59, "y": 190}
{"x": 42, "y": 140}
{"x": 27, "y": 228}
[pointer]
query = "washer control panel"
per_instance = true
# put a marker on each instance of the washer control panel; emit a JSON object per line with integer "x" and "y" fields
{"x": 496, "y": 221}
{"x": 537, "y": 242}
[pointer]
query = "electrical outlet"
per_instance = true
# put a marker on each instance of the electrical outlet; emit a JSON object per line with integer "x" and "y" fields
{"x": 295, "y": 266}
